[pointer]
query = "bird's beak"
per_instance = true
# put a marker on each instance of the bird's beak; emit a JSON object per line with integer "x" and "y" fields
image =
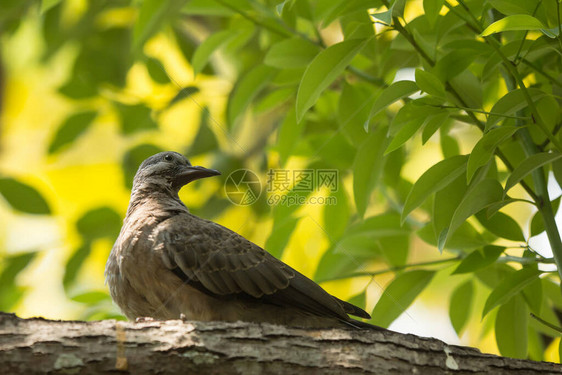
{"x": 191, "y": 173}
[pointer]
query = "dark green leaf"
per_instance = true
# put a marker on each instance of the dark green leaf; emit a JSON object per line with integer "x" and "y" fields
{"x": 502, "y": 226}
{"x": 208, "y": 46}
{"x": 156, "y": 71}
{"x": 431, "y": 9}
{"x": 510, "y": 104}
{"x": 23, "y": 197}
{"x": 205, "y": 140}
{"x": 454, "y": 63}
{"x": 537, "y": 223}
{"x": 71, "y": 128}
{"x": 185, "y": 92}
{"x": 336, "y": 216}
{"x": 99, "y": 222}
{"x": 135, "y": 118}
{"x": 479, "y": 259}
{"x": 152, "y": 14}
{"x": 74, "y": 264}
{"x": 398, "y": 295}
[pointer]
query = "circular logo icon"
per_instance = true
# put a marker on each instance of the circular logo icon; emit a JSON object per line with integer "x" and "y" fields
{"x": 242, "y": 187}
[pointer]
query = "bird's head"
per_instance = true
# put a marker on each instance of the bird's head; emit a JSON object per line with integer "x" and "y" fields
{"x": 170, "y": 171}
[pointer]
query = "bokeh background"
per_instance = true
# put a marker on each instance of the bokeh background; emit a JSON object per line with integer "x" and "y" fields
{"x": 91, "y": 88}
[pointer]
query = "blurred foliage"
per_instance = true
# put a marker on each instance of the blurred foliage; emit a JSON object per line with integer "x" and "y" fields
{"x": 354, "y": 86}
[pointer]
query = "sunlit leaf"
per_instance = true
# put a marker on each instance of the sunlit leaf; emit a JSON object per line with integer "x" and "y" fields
{"x": 323, "y": 70}
{"x": 514, "y": 22}
{"x": 91, "y": 297}
{"x": 23, "y": 197}
{"x": 398, "y": 296}
{"x": 152, "y": 14}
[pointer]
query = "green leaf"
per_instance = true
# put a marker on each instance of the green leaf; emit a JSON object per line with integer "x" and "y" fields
{"x": 454, "y": 63}
{"x": 247, "y": 88}
{"x": 392, "y": 93}
{"x": 485, "y": 148}
{"x": 433, "y": 124}
{"x": 460, "y": 305}
{"x": 291, "y": 53}
{"x": 429, "y": 83}
{"x": 156, "y": 71}
{"x": 533, "y": 295}
{"x": 478, "y": 197}
{"x": 23, "y": 197}
{"x": 71, "y": 128}
{"x": 502, "y": 226}
{"x": 511, "y": 328}
{"x": 12, "y": 265}
{"x": 91, "y": 297}
{"x": 288, "y": 136}
{"x": 432, "y": 180}
{"x": 406, "y": 132}
{"x": 431, "y": 10}
{"x": 367, "y": 168}
{"x": 98, "y": 223}
{"x": 74, "y": 264}
{"x": 510, "y": 104}
{"x": 280, "y": 235}
{"x": 386, "y": 16}
{"x": 323, "y": 70}
{"x": 208, "y": 46}
{"x": 205, "y": 140}
{"x": 399, "y": 294}
{"x": 135, "y": 118}
{"x": 336, "y": 216}
{"x": 509, "y": 287}
{"x": 479, "y": 258}
{"x": 537, "y": 223}
{"x": 334, "y": 264}
{"x": 48, "y": 4}
{"x": 529, "y": 165}
{"x": 152, "y": 14}
{"x": 182, "y": 94}
{"x": 510, "y": 7}
{"x": 514, "y": 22}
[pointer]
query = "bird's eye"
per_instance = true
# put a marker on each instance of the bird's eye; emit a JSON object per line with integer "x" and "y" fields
{"x": 168, "y": 157}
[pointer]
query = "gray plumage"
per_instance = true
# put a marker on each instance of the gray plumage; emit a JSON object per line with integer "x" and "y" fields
{"x": 167, "y": 262}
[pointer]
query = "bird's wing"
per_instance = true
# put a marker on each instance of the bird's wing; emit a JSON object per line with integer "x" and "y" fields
{"x": 221, "y": 262}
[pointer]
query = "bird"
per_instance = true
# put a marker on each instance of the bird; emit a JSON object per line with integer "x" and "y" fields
{"x": 169, "y": 264}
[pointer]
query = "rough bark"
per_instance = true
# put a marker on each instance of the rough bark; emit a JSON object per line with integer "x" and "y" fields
{"x": 31, "y": 346}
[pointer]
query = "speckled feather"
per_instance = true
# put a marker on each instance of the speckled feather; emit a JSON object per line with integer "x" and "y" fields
{"x": 167, "y": 262}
